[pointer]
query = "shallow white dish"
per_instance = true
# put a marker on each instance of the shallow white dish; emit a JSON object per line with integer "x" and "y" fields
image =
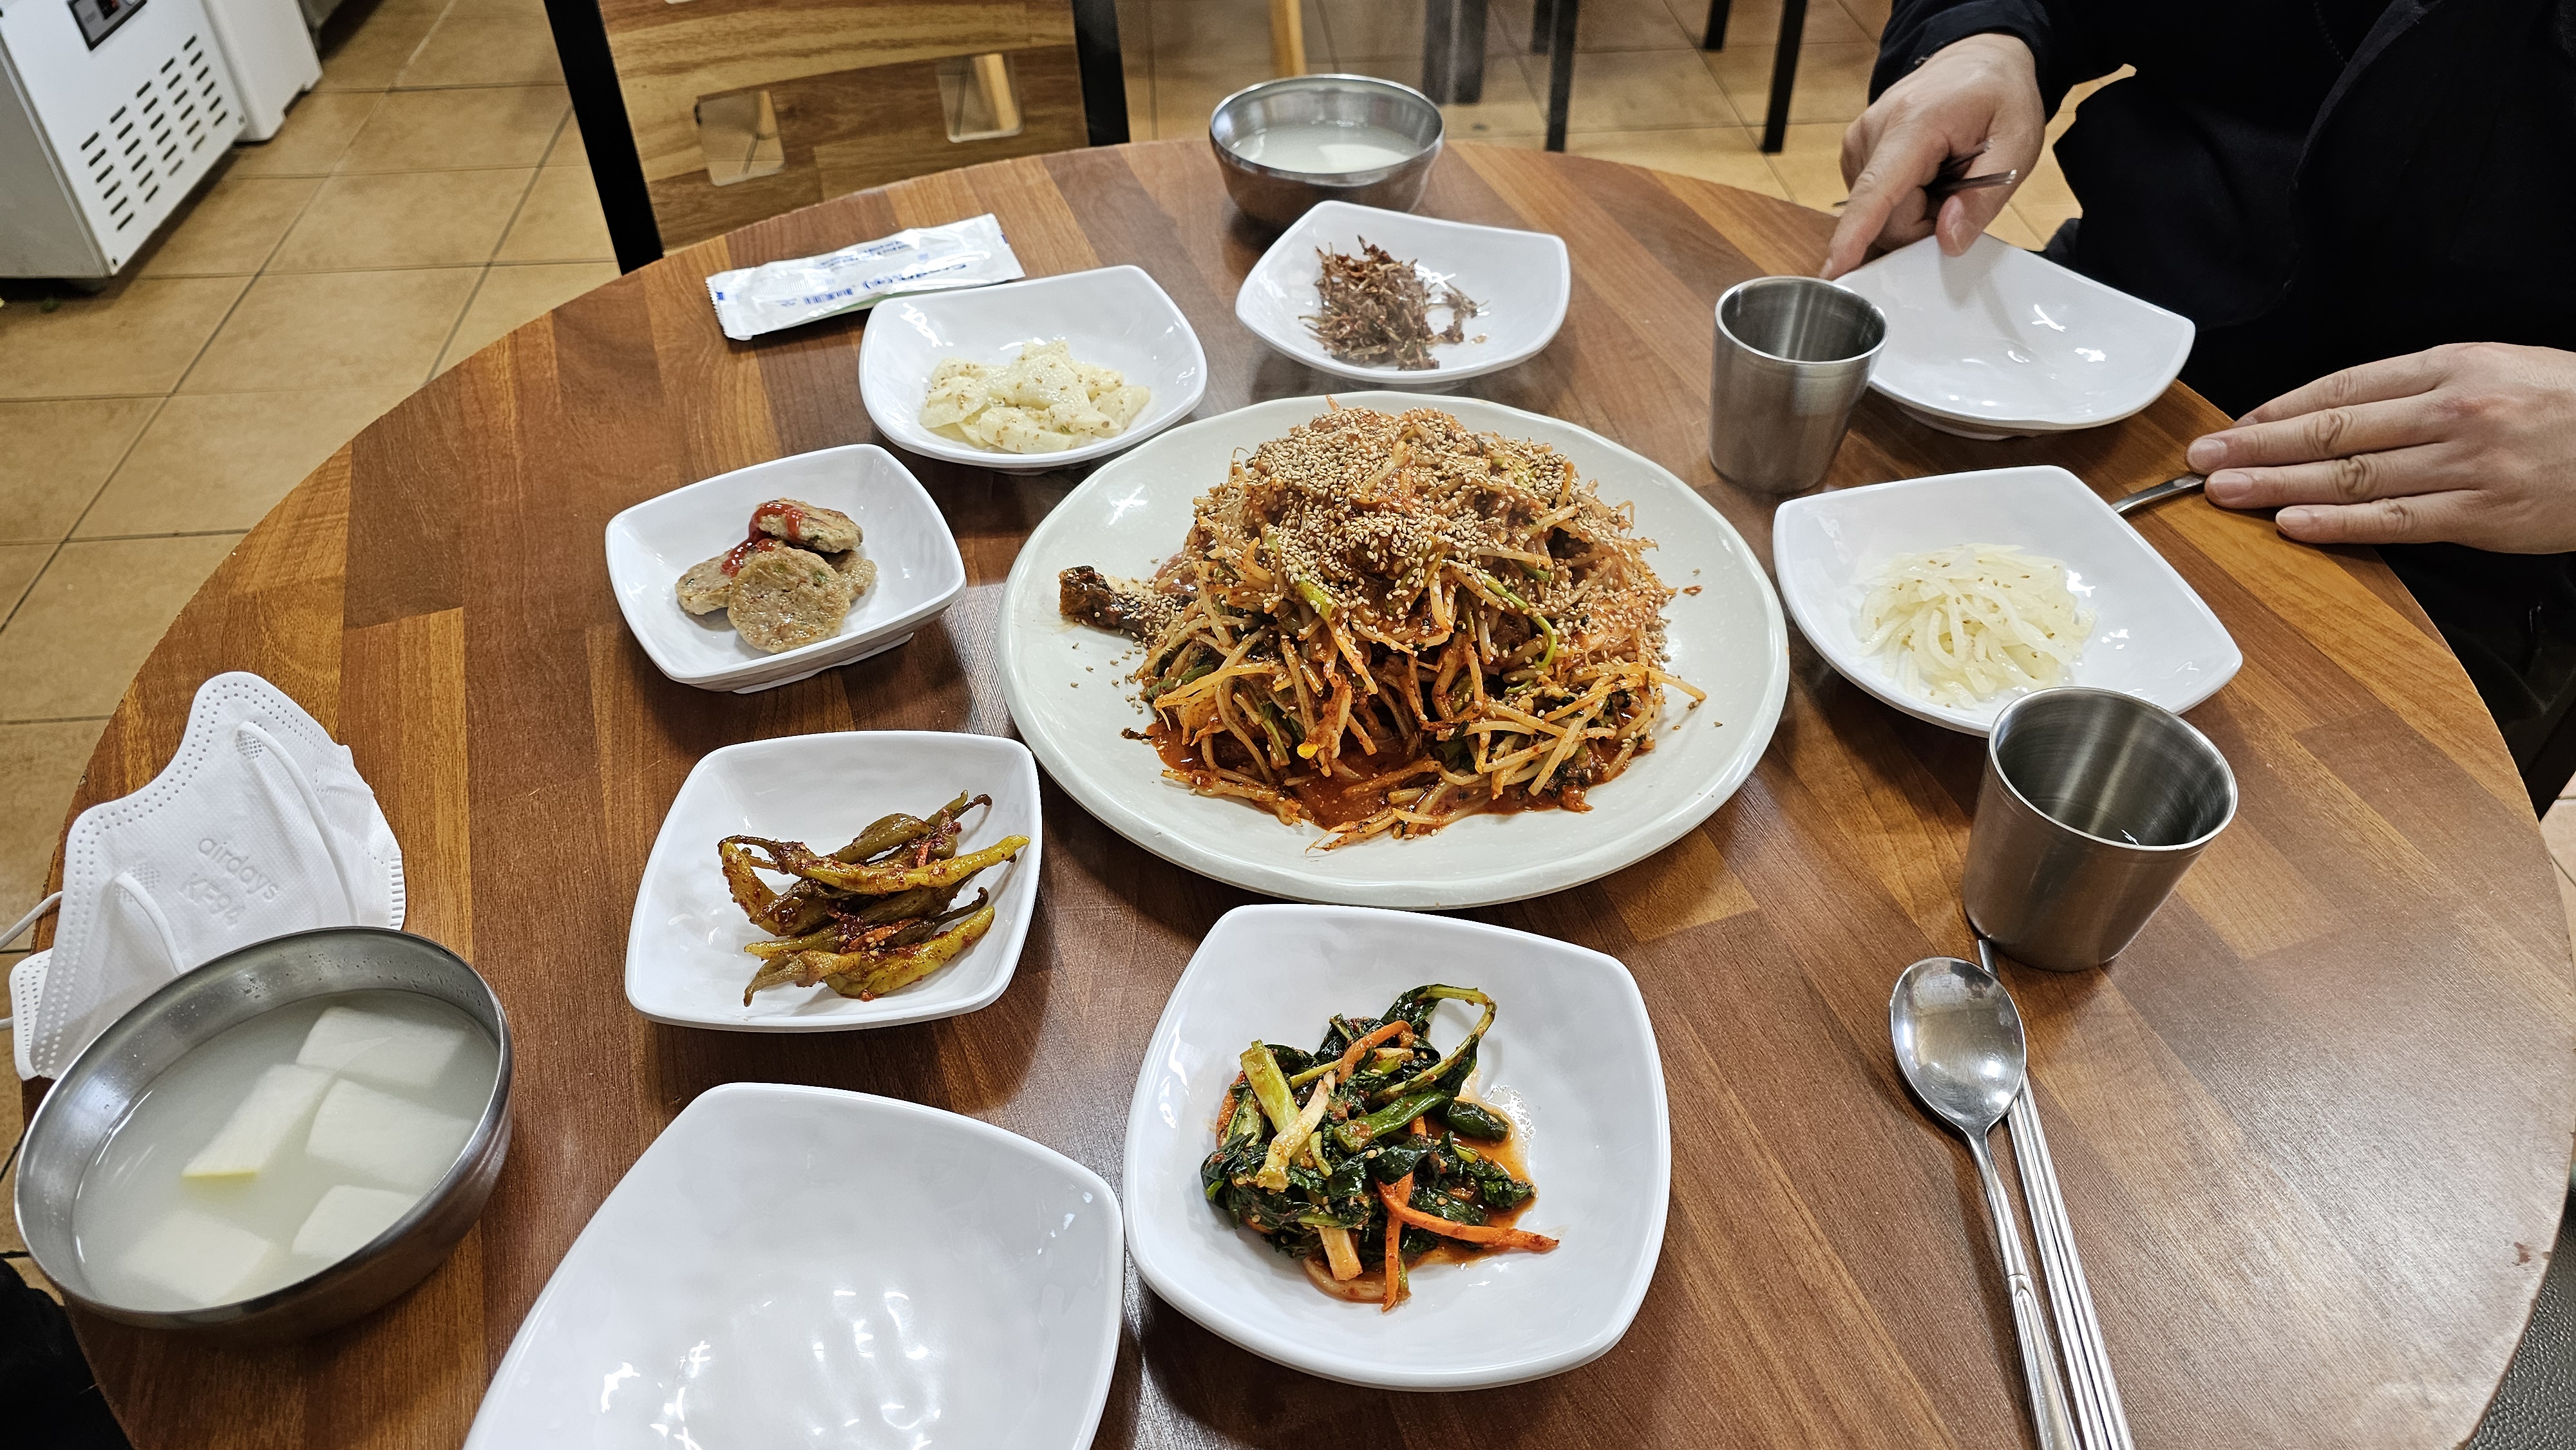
{"x": 1983, "y": 432}
{"x": 2002, "y": 341}
{"x": 1115, "y": 316}
{"x": 685, "y": 962}
{"x": 1571, "y": 1058}
{"x": 2152, "y": 636}
{"x": 1070, "y": 700}
{"x": 1520, "y": 282}
{"x": 652, "y": 544}
{"x": 798, "y": 1265}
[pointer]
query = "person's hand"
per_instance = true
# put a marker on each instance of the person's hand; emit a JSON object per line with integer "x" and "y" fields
{"x": 2470, "y": 443}
{"x": 1981, "y": 91}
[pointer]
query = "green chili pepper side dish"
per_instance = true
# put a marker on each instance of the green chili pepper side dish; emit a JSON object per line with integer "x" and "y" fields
{"x": 873, "y": 917}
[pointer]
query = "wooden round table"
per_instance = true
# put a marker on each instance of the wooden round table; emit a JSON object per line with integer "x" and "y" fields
{"x": 2314, "y": 1128}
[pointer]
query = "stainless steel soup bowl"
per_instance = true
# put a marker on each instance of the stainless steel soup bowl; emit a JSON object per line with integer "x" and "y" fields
{"x": 110, "y": 1075}
{"x": 1276, "y": 197}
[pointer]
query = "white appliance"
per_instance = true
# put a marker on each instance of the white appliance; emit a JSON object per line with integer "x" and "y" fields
{"x": 113, "y": 110}
{"x": 271, "y": 55}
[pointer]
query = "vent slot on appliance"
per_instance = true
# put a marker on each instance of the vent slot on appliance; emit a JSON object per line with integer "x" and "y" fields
{"x": 156, "y": 137}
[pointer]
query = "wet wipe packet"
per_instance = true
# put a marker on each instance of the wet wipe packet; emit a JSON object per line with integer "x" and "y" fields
{"x": 756, "y": 300}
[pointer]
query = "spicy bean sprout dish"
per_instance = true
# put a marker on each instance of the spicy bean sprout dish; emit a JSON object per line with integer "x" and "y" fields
{"x": 1381, "y": 623}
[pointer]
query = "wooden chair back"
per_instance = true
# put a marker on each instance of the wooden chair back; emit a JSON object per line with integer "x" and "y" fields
{"x": 701, "y": 116}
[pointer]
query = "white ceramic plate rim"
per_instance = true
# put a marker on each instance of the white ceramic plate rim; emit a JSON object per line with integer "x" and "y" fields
{"x": 1655, "y": 827}
{"x": 1297, "y": 345}
{"x": 1176, "y": 1287}
{"x": 1980, "y": 721}
{"x": 721, "y": 1093}
{"x": 1015, "y": 906}
{"x": 822, "y": 654}
{"x": 2064, "y": 420}
{"x": 902, "y": 427}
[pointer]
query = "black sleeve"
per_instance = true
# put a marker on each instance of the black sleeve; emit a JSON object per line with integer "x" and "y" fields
{"x": 2068, "y": 48}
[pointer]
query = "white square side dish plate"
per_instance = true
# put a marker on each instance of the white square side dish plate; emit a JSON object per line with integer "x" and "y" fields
{"x": 685, "y": 963}
{"x": 1116, "y": 317}
{"x": 1571, "y": 1056}
{"x": 2004, "y": 341}
{"x": 919, "y": 571}
{"x": 802, "y": 1266}
{"x": 1070, "y": 697}
{"x": 2153, "y": 637}
{"x": 1520, "y": 282}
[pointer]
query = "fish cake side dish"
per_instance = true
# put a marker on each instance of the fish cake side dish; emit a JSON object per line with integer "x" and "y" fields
{"x": 707, "y": 587}
{"x": 807, "y": 525}
{"x": 785, "y": 598}
{"x": 790, "y": 582}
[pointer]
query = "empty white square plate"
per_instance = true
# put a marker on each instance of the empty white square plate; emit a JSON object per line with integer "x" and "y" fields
{"x": 1519, "y": 281}
{"x": 685, "y": 962}
{"x": 801, "y": 1266}
{"x": 1571, "y": 1055}
{"x": 652, "y": 544}
{"x": 2009, "y": 341}
{"x": 2152, "y": 636}
{"x": 1114, "y": 316}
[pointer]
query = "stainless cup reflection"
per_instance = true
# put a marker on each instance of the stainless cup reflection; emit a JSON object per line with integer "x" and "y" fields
{"x": 2094, "y": 804}
{"x": 1793, "y": 356}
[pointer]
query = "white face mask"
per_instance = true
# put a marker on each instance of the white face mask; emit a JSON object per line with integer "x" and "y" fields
{"x": 259, "y": 826}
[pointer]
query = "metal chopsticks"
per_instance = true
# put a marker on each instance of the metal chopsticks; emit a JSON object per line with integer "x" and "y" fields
{"x": 2100, "y": 1419}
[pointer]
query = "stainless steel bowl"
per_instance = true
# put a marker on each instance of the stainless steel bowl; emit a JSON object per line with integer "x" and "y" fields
{"x": 1276, "y": 197}
{"x": 94, "y": 1094}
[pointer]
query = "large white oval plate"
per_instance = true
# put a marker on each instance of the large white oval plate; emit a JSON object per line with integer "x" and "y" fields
{"x": 1070, "y": 700}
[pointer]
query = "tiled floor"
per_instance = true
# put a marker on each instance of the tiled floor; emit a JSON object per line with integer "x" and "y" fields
{"x": 432, "y": 193}
{"x": 427, "y": 197}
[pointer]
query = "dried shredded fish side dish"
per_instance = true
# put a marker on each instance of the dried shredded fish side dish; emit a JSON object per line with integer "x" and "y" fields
{"x": 1377, "y": 310}
{"x": 1381, "y": 623}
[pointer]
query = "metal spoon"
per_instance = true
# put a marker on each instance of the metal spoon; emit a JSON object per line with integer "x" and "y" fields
{"x": 1959, "y": 1044}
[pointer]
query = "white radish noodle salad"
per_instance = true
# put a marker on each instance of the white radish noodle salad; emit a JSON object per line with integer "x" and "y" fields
{"x": 1965, "y": 623}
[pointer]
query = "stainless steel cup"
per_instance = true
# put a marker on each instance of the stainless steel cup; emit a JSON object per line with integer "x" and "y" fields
{"x": 2094, "y": 805}
{"x": 1793, "y": 357}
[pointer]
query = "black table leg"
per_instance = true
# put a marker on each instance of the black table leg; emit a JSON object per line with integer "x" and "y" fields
{"x": 1467, "y": 54}
{"x": 1784, "y": 74}
{"x": 1439, "y": 21}
{"x": 1560, "y": 70}
{"x": 1714, "y": 37}
{"x": 1542, "y": 24}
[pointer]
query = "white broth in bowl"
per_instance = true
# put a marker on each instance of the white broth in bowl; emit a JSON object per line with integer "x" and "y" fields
{"x": 280, "y": 1147}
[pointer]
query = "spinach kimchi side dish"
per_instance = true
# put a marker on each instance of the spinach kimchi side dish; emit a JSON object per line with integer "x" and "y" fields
{"x": 1362, "y": 1157}
{"x": 1381, "y": 623}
